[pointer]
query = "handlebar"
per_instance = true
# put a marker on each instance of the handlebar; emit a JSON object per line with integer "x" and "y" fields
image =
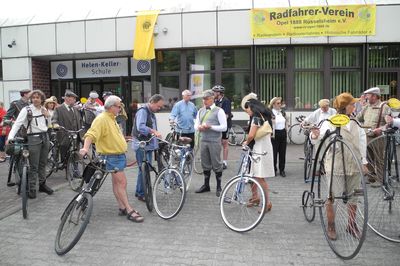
{"x": 317, "y": 126}
{"x": 67, "y": 130}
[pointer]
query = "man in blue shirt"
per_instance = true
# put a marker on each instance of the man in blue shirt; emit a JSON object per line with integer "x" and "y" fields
{"x": 145, "y": 124}
{"x": 183, "y": 114}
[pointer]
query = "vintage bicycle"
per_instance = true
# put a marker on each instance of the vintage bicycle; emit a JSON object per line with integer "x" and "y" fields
{"x": 338, "y": 197}
{"x": 296, "y": 131}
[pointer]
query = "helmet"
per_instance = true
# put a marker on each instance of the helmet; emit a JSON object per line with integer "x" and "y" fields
{"x": 218, "y": 88}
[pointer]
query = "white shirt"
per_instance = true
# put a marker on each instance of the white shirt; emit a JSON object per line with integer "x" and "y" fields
{"x": 319, "y": 115}
{"x": 38, "y": 124}
{"x": 280, "y": 121}
{"x": 221, "y": 119}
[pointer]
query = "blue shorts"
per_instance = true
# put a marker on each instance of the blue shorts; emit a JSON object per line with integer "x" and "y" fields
{"x": 115, "y": 162}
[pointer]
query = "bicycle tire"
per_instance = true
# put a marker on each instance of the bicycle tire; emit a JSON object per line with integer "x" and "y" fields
{"x": 187, "y": 170}
{"x": 308, "y": 205}
{"x": 81, "y": 206}
{"x": 308, "y": 160}
{"x": 296, "y": 135}
{"x": 234, "y": 202}
{"x": 74, "y": 171}
{"x": 147, "y": 186}
{"x": 169, "y": 193}
{"x": 384, "y": 198}
{"x": 24, "y": 191}
{"x": 51, "y": 162}
{"x": 236, "y": 135}
{"x": 350, "y": 210}
{"x": 10, "y": 172}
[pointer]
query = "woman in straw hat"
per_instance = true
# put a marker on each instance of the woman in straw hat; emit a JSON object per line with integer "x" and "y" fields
{"x": 263, "y": 168}
{"x": 50, "y": 105}
{"x": 356, "y": 137}
{"x": 279, "y": 141}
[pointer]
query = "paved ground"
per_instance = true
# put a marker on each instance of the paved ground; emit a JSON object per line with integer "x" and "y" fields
{"x": 197, "y": 236}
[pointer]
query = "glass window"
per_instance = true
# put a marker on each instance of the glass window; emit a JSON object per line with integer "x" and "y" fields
{"x": 272, "y": 85}
{"x": 384, "y": 56}
{"x": 237, "y": 85}
{"x": 308, "y": 57}
{"x": 386, "y": 81}
{"x": 345, "y": 57}
{"x": 236, "y": 58}
{"x": 346, "y": 81}
{"x": 168, "y": 61}
{"x": 200, "y": 60}
{"x": 308, "y": 89}
{"x": 1, "y": 70}
{"x": 169, "y": 88}
{"x": 271, "y": 58}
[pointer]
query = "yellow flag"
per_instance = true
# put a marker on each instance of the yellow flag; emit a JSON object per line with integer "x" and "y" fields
{"x": 143, "y": 48}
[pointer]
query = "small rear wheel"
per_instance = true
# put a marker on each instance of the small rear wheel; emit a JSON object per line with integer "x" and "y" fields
{"x": 169, "y": 193}
{"x": 73, "y": 223}
{"x": 296, "y": 135}
{"x": 236, "y": 135}
{"x": 239, "y": 210}
{"x": 308, "y": 205}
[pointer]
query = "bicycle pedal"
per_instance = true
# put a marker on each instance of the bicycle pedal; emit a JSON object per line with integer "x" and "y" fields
{"x": 318, "y": 203}
{"x": 358, "y": 192}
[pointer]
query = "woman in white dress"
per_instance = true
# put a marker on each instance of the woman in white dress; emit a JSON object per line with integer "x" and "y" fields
{"x": 264, "y": 167}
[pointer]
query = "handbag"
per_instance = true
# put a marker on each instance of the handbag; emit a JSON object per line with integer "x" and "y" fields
{"x": 264, "y": 130}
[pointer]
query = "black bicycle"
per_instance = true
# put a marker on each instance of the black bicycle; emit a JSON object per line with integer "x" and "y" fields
{"x": 341, "y": 193}
{"x": 296, "y": 132}
{"x": 77, "y": 214}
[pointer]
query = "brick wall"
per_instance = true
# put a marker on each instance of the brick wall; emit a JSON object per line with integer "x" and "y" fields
{"x": 41, "y": 76}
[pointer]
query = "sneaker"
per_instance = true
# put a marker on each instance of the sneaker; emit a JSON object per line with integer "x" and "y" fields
{"x": 224, "y": 165}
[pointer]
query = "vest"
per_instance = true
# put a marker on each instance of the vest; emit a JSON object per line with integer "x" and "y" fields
{"x": 149, "y": 123}
{"x": 211, "y": 119}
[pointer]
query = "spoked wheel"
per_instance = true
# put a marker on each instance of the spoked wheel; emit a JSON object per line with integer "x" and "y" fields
{"x": 236, "y": 135}
{"x": 169, "y": 193}
{"x": 308, "y": 160}
{"x": 344, "y": 208}
{"x": 51, "y": 164}
{"x": 148, "y": 193}
{"x": 308, "y": 205}
{"x": 75, "y": 167}
{"x": 296, "y": 134}
{"x": 24, "y": 191}
{"x": 11, "y": 169}
{"x": 73, "y": 223}
{"x": 187, "y": 170}
{"x": 239, "y": 211}
{"x": 384, "y": 197}
{"x": 197, "y": 161}
{"x": 163, "y": 156}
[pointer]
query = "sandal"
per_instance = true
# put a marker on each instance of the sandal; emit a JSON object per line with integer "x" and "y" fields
{"x": 122, "y": 212}
{"x": 253, "y": 202}
{"x": 2, "y": 159}
{"x": 137, "y": 218}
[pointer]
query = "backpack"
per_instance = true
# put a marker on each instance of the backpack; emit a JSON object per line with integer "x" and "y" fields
{"x": 149, "y": 123}
{"x": 23, "y": 131}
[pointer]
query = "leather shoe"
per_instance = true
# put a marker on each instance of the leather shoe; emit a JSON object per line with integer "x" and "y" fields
{"x": 203, "y": 188}
{"x": 283, "y": 174}
{"x": 141, "y": 198}
{"x": 32, "y": 194}
{"x": 218, "y": 192}
{"x": 44, "y": 188}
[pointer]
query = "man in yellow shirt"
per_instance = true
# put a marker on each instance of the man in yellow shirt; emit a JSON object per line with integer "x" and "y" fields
{"x": 111, "y": 145}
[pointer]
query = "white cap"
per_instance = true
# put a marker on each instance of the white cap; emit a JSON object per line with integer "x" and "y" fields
{"x": 374, "y": 90}
{"x": 93, "y": 95}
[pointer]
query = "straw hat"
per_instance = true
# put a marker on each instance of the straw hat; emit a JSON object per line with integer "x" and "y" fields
{"x": 47, "y": 101}
{"x": 274, "y": 100}
{"x": 246, "y": 98}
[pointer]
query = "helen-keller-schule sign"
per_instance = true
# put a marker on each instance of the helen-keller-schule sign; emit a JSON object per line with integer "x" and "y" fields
{"x": 106, "y": 67}
{"x": 350, "y": 20}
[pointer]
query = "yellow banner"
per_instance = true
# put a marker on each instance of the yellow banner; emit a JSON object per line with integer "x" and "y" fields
{"x": 143, "y": 48}
{"x": 348, "y": 20}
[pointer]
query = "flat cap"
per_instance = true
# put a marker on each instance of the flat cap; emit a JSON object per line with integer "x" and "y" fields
{"x": 25, "y": 90}
{"x": 374, "y": 90}
{"x": 208, "y": 93}
{"x": 69, "y": 93}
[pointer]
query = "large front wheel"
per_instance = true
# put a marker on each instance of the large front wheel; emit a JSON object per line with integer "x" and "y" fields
{"x": 148, "y": 193}
{"x": 169, "y": 193}
{"x": 73, "y": 223}
{"x": 296, "y": 134}
{"x": 242, "y": 204}
{"x": 342, "y": 197}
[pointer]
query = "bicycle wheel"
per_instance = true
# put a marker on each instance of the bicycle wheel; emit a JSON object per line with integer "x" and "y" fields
{"x": 11, "y": 166}
{"x": 147, "y": 186}
{"x": 163, "y": 157}
{"x": 197, "y": 160}
{"x": 343, "y": 198}
{"x": 308, "y": 205}
{"x": 73, "y": 223}
{"x": 236, "y": 211}
{"x": 51, "y": 161}
{"x": 75, "y": 167}
{"x": 24, "y": 191}
{"x": 187, "y": 169}
{"x": 308, "y": 160}
{"x": 384, "y": 198}
{"x": 169, "y": 193}
{"x": 236, "y": 135}
{"x": 296, "y": 134}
